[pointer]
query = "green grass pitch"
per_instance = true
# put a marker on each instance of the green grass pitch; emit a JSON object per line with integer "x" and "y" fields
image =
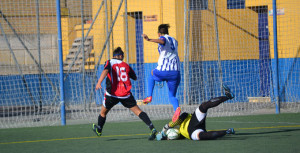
{"x": 254, "y": 134}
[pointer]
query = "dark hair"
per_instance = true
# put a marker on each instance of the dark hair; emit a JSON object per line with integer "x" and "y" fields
{"x": 118, "y": 51}
{"x": 163, "y": 28}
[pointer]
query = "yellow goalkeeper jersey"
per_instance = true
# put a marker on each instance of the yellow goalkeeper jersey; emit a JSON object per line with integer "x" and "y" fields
{"x": 184, "y": 127}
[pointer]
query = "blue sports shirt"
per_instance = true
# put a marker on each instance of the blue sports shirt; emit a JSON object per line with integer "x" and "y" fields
{"x": 168, "y": 54}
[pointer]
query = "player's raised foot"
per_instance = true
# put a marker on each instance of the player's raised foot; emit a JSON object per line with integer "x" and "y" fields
{"x": 230, "y": 131}
{"x": 228, "y": 93}
{"x": 152, "y": 134}
{"x": 176, "y": 114}
{"x": 97, "y": 130}
{"x": 147, "y": 100}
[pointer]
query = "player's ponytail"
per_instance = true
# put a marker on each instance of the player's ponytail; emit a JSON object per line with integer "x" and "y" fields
{"x": 119, "y": 48}
{"x": 118, "y": 51}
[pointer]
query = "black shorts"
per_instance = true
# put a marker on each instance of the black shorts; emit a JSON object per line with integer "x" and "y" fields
{"x": 195, "y": 124}
{"x": 110, "y": 102}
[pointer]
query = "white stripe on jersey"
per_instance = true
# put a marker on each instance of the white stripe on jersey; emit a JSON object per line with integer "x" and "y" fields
{"x": 112, "y": 62}
{"x": 107, "y": 94}
{"x": 168, "y": 55}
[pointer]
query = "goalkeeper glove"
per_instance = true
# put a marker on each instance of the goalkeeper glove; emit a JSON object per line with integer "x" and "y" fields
{"x": 161, "y": 136}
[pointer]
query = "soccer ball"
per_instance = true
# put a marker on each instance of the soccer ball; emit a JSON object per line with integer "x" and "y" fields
{"x": 172, "y": 134}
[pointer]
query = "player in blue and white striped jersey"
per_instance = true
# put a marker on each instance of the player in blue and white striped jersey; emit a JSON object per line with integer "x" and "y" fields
{"x": 168, "y": 68}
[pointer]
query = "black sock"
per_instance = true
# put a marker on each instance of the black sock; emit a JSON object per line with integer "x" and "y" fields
{"x": 101, "y": 121}
{"x": 212, "y": 103}
{"x": 144, "y": 117}
{"x": 211, "y": 135}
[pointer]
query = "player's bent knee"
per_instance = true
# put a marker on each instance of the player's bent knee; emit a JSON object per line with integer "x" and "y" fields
{"x": 136, "y": 110}
{"x": 200, "y": 115}
{"x": 203, "y": 108}
{"x": 104, "y": 111}
{"x": 195, "y": 134}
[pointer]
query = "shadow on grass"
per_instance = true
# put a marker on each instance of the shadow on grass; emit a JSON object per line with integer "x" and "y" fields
{"x": 237, "y": 136}
{"x": 126, "y": 139}
{"x": 244, "y": 136}
{"x": 269, "y": 132}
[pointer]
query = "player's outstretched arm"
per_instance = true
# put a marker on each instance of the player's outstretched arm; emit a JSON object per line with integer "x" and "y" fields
{"x": 162, "y": 135}
{"x": 159, "y": 41}
{"x": 181, "y": 118}
{"x": 102, "y": 76}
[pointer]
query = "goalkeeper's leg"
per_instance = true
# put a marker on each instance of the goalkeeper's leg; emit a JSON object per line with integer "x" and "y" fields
{"x": 211, "y": 135}
{"x": 212, "y": 103}
{"x": 216, "y": 101}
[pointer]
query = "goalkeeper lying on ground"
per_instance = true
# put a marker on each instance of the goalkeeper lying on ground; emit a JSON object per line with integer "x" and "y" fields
{"x": 192, "y": 126}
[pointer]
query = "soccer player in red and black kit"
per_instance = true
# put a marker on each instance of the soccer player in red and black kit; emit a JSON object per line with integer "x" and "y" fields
{"x": 118, "y": 88}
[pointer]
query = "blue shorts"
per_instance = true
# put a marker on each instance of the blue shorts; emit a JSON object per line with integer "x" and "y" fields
{"x": 171, "y": 77}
